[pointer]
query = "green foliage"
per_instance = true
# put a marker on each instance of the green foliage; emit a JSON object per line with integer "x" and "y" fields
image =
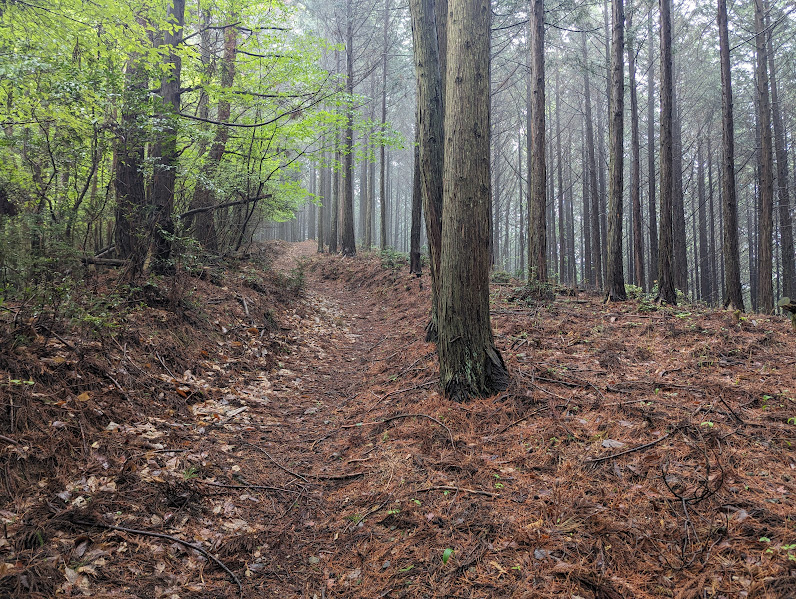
{"x": 501, "y": 277}
{"x": 392, "y": 259}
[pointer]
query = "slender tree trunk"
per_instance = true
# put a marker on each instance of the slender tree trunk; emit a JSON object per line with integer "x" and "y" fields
{"x": 563, "y": 269}
{"x": 417, "y": 202}
{"x": 732, "y": 277}
{"x": 429, "y": 33}
{"x": 594, "y": 268}
{"x": 347, "y": 241}
{"x": 680, "y": 260}
{"x": 616, "y": 277}
{"x": 653, "y": 221}
{"x": 714, "y": 281}
{"x": 537, "y": 190}
{"x": 469, "y": 363}
{"x": 382, "y": 186}
{"x": 704, "y": 261}
{"x": 666, "y": 291}
{"x": 766, "y": 231}
{"x": 324, "y": 199}
{"x": 635, "y": 169}
{"x": 587, "y": 272}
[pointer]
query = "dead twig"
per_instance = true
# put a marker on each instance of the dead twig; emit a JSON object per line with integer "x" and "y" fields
{"x": 253, "y": 487}
{"x": 621, "y": 453}
{"x": 277, "y": 464}
{"x": 391, "y": 393}
{"x": 457, "y": 490}
{"x": 10, "y": 440}
{"x": 158, "y": 535}
{"x": 398, "y": 416}
{"x": 520, "y": 420}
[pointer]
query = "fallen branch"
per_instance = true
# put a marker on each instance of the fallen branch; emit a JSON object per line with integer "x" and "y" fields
{"x": 224, "y": 205}
{"x": 518, "y": 421}
{"x": 10, "y": 440}
{"x": 277, "y": 464}
{"x": 103, "y": 261}
{"x": 253, "y": 487}
{"x": 457, "y": 490}
{"x": 159, "y": 535}
{"x": 398, "y": 416}
{"x": 621, "y": 453}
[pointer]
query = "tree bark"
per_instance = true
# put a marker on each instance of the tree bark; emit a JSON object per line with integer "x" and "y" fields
{"x": 732, "y": 263}
{"x": 382, "y": 179}
{"x": 766, "y": 231}
{"x": 347, "y": 241}
{"x": 470, "y": 366}
{"x": 666, "y": 291}
{"x": 594, "y": 268}
{"x": 653, "y": 220}
{"x": 537, "y": 190}
{"x": 429, "y": 35}
{"x": 616, "y": 278}
{"x": 637, "y": 254}
{"x": 417, "y": 202}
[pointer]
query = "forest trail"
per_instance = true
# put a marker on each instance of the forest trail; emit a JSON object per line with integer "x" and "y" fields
{"x": 287, "y": 422}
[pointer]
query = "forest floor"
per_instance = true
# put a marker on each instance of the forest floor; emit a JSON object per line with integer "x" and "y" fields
{"x": 274, "y": 428}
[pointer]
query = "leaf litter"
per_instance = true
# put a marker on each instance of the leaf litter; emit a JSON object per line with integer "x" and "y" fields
{"x": 297, "y": 443}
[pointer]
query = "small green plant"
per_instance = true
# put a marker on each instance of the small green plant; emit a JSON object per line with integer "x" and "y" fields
{"x": 189, "y": 473}
{"x": 446, "y": 555}
{"x": 392, "y": 259}
{"x": 501, "y": 277}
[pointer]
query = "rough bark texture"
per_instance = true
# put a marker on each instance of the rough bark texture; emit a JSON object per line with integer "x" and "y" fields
{"x": 347, "y": 241}
{"x": 732, "y": 262}
{"x": 469, "y": 363}
{"x": 129, "y": 181}
{"x": 666, "y": 291}
{"x": 417, "y": 201}
{"x": 637, "y": 255}
{"x": 680, "y": 258}
{"x": 653, "y": 220}
{"x": 594, "y": 270}
{"x": 537, "y": 191}
{"x": 705, "y": 274}
{"x": 429, "y": 60}
{"x": 766, "y": 231}
{"x": 616, "y": 277}
{"x": 164, "y": 152}
{"x": 382, "y": 179}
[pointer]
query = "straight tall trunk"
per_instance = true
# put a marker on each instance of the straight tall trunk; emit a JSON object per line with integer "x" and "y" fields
{"x": 706, "y": 276}
{"x": 563, "y": 269}
{"x": 417, "y": 201}
{"x": 470, "y": 365}
{"x": 666, "y": 290}
{"x": 429, "y": 34}
{"x": 714, "y": 282}
{"x": 615, "y": 270}
{"x": 382, "y": 180}
{"x": 732, "y": 262}
{"x": 766, "y": 230}
{"x": 537, "y": 190}
{"x": 637, "y": 254}
{"x": 347, "y": 239}
{"x": 594, "y": 267}
{"x": 653, "y": 221}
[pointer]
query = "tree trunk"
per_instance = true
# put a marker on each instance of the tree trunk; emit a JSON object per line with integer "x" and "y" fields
{"x": 666, "y": 291}
{"x": 470, "y": 366}
{"x": 563, "y": 270}
{"x": 637, "y": 254}
{"x": 537, "y": 180}
{"x": 706, "y": 276}
{"x": 594, "y": 268}
{"x": 347, "y": 241}
{"x": 417, "y": 202}
{"x": 429, "y": 39}
{"x": 653, "y": 221}
{"x": 616, "y": 277}
{"x": 732, "y": 263}
{"x": 766, "y": 231}
{"x": 382, "y": 180}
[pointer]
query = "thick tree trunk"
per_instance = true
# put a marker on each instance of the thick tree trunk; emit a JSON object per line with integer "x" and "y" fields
{"x": 131, "y": 243}
{"x": 766, "y": 231}
{"x": 732, "y": 276}
{"x": 616, "y": 277}
{"x": 666, "y": 291}
{"x": 469, "y": 363}
{"x": 429, "y": 33}
{"x": 164, "y": 152}
{"x": 537, "y": 190}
